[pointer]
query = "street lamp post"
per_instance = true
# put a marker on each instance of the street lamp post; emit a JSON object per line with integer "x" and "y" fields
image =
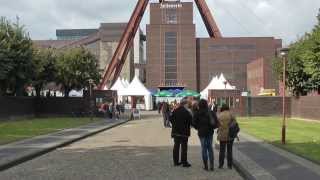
{"x": 91, "y": 102}
{"x": 284, "y": 55}
{"x": 225, "y": 93}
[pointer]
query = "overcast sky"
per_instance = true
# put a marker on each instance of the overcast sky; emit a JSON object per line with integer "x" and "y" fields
{"x": 286, "y": 19}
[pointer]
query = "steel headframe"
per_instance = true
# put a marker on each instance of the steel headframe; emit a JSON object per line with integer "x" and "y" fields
{"x": 113, "y": 69}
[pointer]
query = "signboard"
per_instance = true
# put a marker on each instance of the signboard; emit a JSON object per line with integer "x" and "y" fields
{"x": 171, "y": 5}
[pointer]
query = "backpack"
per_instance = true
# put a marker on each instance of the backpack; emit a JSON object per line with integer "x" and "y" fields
{"x": 234, "y": 129}
{"x": 213, "y": 119}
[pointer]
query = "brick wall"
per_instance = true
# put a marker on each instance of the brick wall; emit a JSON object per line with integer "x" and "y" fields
{"x": 260, "y": 75}
{"x": 24, "y": 107}
{"x": 265, "y": 106}
{"x": 60, "y": 106}
{"x": 255, "y": 76}
{"x": 307, "y": 107}
{"x": 15, "y": 107}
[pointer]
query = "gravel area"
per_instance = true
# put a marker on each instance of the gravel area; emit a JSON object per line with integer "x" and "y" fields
{"x": 140, "y": 149}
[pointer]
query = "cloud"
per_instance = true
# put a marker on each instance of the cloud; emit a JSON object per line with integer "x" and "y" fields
{"x": 286, "y": 19}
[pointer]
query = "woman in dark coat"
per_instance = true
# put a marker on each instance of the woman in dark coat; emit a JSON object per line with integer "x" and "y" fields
{"x": 205, "y": 122}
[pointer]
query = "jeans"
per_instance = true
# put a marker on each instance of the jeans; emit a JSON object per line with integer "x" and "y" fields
{"x": 207, "y": 150}
{"x": 183, "y": 142}
{"x": 223, "y": 146}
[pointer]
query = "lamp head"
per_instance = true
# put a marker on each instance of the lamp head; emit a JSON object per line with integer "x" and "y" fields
{"x": 284, "y": 52}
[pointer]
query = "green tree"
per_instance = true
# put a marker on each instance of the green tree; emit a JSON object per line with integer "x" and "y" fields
{"x": 297, "y": 78}
{"x": 312, "y": 58}
{"x": 75, "y": 68}
{"x": 15, "y": 57}
{"x": 303, "y": 66}
{"x": 45, "y": 71}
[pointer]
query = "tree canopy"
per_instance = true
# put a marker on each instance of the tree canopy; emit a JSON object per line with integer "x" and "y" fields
{"x": 15, "y": 57}
{"x": 44, "y": 68}
{"x": 303, "y": 70}
{"x": 75, "y": 67}
{"x": 23, "y": 64}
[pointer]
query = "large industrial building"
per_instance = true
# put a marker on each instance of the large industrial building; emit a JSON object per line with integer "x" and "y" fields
{"x": 175, "y": 57}
{"x": 102, "y": 42}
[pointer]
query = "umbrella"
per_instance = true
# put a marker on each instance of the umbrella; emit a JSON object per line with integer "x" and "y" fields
{"x": 164, "y": 94}
{"x": 174, "y": 91}
{"x": 187, "y": 93}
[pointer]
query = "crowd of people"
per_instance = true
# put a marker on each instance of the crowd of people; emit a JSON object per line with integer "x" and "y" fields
{"x": 205, "y": 118}
{"x": 111, "y": 110}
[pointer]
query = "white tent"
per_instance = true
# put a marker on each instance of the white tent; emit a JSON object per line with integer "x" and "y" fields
{"x": 126, "y": 82}
{"x": 118, "y": 86}
{"x": 204, "y": 93}
{"x": 123, "y": 81}
{"x": 74, "y": 93}
{"x": 136, "y": 88}
{"x": 217, "y": 84}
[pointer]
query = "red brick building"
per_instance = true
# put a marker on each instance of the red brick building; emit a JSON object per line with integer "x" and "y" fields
{"x": 175, "y": 57}
{"x": 171, "y": 46}
{"x": 231, "y": 55}
{"x": 260, "y": 76}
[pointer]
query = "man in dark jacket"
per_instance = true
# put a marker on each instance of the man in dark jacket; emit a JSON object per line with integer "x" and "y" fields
{"x": 166, "y": 114}
{"x": 181, "y": 121}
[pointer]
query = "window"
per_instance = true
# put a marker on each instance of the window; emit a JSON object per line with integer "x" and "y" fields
{"x": 224, "y": 47}
{"x": 172, "y": 69}
{"x": 171, "y": 16}
{"x": 170, "y": 58}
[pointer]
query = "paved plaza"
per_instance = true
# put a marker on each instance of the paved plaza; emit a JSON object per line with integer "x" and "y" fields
{"x": 140, "y": 149}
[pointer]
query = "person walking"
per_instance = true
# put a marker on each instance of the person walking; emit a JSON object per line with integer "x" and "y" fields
{"x": 181, "y": 122}
{"x": 159, "y": 106}
{"x": 166, "y": 114}
{"x": 118, "y": 109}
{"x": 226, "y": 120}
{"x": 205, "y": 121}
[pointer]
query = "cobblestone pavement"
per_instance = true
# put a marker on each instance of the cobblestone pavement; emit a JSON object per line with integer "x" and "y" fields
{"x": 137, "y": 150}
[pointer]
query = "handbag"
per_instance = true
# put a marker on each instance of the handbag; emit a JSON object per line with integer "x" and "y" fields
{"x": 213, "y": 121}
{"x": 234, "y": 128}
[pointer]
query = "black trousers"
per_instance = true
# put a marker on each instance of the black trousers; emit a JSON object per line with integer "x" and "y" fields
{"x": 183, "y": 142}
{"x": 166, "y": 119}
{"x": 223, "y": 146}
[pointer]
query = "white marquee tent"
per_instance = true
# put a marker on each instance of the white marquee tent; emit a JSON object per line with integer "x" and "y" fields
{"x": 125, "y": 82}
{"x": 217, "y": 83}
{"x": 118, "y": 86}
{"x": 136, "y": 88}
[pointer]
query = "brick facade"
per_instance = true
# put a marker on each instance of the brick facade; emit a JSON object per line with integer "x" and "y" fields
{"x": 185, "y": 49}
{"x": 230, "y": 56}
{"x": 260, "y": 76}
{"x": 307, "y": 107}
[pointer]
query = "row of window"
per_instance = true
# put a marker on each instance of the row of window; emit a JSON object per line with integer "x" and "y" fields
{"x": 170, "y": 57}
{"x": 233, "y": 47}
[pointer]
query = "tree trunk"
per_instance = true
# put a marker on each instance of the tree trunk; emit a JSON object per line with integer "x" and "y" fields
{"x": 66, "y": 92}
{"x": 38, "y": 90}
{"x": 2, "y": 89}
{"x": 19, "y": 91}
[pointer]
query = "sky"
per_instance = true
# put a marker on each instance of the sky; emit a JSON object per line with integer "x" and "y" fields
{"x": 285, "y": 19}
